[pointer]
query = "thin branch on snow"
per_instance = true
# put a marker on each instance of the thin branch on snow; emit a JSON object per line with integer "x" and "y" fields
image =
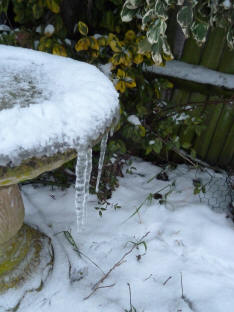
{"x": 117, "y": 264}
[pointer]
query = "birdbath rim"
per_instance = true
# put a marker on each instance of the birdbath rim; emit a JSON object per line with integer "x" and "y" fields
{"x": 50, "y": 105}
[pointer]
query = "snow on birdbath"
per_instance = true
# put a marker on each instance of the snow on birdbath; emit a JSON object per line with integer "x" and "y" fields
{"x": 50, "y": 108}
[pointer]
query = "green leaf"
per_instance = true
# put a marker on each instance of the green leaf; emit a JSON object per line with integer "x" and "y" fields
{"x": 148, "y": 17}
{"x": 157, "y": 146}
{"x": 199, "y": 31}
{"x": 144, "y": 46}
{"x": 4, "y": 6}
{"x": 185, "y": 18}
{"x": 156, "y": 53}
{"x": 83, "y": 28}
{"x": 161, "y": 9}
{"x": 186, "y": 145}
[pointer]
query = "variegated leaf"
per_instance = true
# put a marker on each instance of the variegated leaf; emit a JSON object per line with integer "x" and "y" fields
{"x": 199, "y": 31}
{"x": 127, "y": 14}
{"x": 134, "y": 4}
{"x": 230, "y": 39}
{"x": 148, "y": 17}
{"x": 156, "y": 30}
{"x": 185, "y": 18}
{"x": 161, "y": 9}
{"x": 166, "y": 49}
{"x": 156, "y": 53}
{"x": 144, "y": 46}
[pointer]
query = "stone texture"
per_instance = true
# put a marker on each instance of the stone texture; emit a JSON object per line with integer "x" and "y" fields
{"x": 11, "y": 212}
{"x": 27, "y": 253}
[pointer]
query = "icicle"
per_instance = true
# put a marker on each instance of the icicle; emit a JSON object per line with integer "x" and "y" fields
{"x": 88, "y": 175}
{"x": 112, "y": 130}
{"x": 101, "y": 159}
{"x": 82, "y": 174}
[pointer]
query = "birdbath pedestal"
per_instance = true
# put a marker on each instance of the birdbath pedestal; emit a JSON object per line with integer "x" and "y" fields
{"x": 50, "y": 108}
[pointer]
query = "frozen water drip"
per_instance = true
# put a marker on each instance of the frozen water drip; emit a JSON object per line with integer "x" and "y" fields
{"x": 101, "y": 159}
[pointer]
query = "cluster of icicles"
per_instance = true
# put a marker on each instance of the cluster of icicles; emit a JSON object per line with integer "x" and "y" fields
{"x": 83, "y": 174}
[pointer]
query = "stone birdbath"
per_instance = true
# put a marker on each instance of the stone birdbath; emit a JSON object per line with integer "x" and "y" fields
{"x": 51, "y": 108}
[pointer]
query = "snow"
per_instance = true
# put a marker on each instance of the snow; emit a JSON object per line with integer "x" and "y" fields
{"x": 134, "y": 120}
{"x": 227, "y": 4}
{"x": 48, "y": 102}
{"x": 4, "y": 27}
{"x": 49, "y": 30}
{"x": 194, "y": 73}
{"x": 186, "y": 238}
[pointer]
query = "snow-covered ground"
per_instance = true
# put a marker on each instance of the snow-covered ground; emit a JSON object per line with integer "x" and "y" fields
{"x": 185, "y": 263}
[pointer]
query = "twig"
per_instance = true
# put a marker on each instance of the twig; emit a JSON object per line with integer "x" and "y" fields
{"x": 147, "y": 277}
{"x": 117, "y": 264}
{"x": 181, "y": 284}
{"x": 167, "y": 280}
{"x": 106, "y": 286}
{"x": 130, "y": 295}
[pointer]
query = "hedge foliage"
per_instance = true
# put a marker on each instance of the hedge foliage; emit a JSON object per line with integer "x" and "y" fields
{"x": 148, "y": 124}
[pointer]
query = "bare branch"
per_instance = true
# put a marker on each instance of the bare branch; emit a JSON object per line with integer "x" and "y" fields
{"x": 117, "y": 264}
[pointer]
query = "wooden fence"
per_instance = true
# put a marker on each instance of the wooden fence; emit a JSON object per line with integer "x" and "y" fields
{"x": 216, "y": 143}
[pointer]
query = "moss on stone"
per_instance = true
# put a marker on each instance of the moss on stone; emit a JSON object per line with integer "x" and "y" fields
{"x": 33, "y": 167}
{"x": 19, "y": 257}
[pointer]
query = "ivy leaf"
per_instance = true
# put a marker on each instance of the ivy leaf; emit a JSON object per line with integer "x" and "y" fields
{"x": 156, "y": 30}
{"x": 185, "y": 18}
{"x": 148, "y": 17}
{"x": 127, "y": 14}
{"x": 161, "y": 9}
{"x": 134, "y": 4}
{"x": 168, "y": 56}
{"x": 230, "y": 38}
{"x": 156, "y": 53}
{"x": 199, "y": 31}
{"x": 83, "y": 28}
{"x": 144, "y": 46}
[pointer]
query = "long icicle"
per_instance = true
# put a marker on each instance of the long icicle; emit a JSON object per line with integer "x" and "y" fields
{"x": 80, "y": 187}
{"x": 101, "y": 159}
{"x": 88, "y": 176}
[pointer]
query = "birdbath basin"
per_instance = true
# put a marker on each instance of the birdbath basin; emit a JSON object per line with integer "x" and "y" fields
{"x": 51, "y": 108}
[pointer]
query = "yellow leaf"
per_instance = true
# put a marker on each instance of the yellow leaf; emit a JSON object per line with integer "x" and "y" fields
{"x": 120, "y": 86}
{"x": 94, "y": 54}
{"x": 121, "y": 73}
{"x": 83, "y": 28}
{"x": 59, "y": 50}
{"x": 138, "y": 59}
{"x": 94, "y": 43}
{"x": 168, "y": 57}
{"x": 112, "y": 37}
{"x": 102, "y": 41}
{"x": 131, "y": 84}
{"x": 115, "y": 60}
{"x": 53, "y": 6}
{"x": 130, "y": 35}
{"x": 82, "y": 45}
{"x": 115, "y": 46}
{"x": 142, "y": 131}
{"x": 157, "y": 92}
{"x": 125, "y": 60}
